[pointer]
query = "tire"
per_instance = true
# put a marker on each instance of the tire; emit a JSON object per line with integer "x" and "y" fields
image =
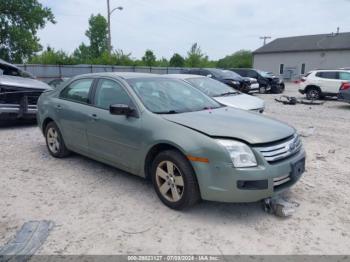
{"x": 313, "y": 93}
{"x": 178, "y": 189}
{"x": 54, "y": 141}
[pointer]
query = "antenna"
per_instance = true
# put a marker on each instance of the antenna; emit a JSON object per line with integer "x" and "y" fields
{"x": 265, "y": 38}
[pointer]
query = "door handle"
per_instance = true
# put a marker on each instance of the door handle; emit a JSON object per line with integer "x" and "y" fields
{"x": 94, "y": 117}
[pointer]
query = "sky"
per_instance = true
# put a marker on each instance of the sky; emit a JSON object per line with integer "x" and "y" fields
{"x": 220, "y": 27}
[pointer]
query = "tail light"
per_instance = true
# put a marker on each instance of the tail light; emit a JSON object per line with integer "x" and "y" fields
{"x": 345, "y": 86}
{"x": 302, "y": 80}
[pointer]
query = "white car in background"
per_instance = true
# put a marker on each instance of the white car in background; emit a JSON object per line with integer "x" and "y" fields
{"x": 222, "y": 93}
{"x": 320, "y": 83}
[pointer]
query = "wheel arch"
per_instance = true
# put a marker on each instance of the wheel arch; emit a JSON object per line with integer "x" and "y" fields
{"x": 154, "y": 151}
{"x": 308, "y": 87}
{"x": 45, "y": 123}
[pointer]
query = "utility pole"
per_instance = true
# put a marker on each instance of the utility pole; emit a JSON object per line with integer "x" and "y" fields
{"x": 109, "y": 13}
{"x": 265, "y": 38}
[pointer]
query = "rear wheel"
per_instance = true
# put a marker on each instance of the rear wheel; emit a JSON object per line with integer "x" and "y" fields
{"x": 174, "y": 180}
{"x": 54, "y": 141}
{"x": 313, "y": 93}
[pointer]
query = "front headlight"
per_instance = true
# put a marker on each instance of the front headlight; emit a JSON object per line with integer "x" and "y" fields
{"x": 240, "y": 153}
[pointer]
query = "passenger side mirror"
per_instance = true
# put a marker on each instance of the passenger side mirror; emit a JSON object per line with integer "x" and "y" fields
{"x": 121, "y": 109}
{"x": 210, "y": 75}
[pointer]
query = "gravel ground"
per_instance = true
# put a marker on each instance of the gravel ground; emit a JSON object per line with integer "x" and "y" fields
{"x": 101, "y": 210}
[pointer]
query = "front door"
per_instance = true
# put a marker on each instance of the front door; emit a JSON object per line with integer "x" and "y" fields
{"x": 72, "y": 108}
{"x": 114, "y": 138}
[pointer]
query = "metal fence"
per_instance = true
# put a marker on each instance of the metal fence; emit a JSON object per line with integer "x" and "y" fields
{"x": 49, "y": 72}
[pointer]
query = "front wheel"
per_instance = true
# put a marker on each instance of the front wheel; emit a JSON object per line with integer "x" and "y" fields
{"x": 174, "y": 180}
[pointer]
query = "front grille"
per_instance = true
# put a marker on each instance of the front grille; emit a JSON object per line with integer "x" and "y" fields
{"x": 282, "y": 150}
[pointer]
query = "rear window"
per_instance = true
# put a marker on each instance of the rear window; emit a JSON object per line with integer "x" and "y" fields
{"x": 328, "y": 75}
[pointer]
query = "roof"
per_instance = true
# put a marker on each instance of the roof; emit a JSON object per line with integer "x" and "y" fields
{"x": 182, "y": 76}
{"x": 323, "y": 42}
{"x": 125, "y": 75}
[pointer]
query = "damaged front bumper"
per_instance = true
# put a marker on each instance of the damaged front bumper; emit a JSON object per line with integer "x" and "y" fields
{"x": 19, "y": 105}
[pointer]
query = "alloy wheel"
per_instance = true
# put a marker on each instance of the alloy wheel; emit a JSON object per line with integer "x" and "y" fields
{"x": 169, "y": 181}
{"x": 313, "y": 94}
{"x": 53, "y": 140}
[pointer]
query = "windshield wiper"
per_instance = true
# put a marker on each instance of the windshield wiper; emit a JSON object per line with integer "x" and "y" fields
{"x": 229, "y": 93}
{"x": 167, "y": 112}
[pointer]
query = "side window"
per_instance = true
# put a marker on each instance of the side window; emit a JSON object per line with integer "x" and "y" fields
{"x": 109, "y": 93}
{"x": 328, "y": 75}
{"x": 281, "y": 69}
{"x": 252, "y": 74}
{"x": 78, "y": 91}
{"x": 344, "y": 76}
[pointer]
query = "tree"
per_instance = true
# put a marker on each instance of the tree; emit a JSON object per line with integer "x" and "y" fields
{"x": 149, "y": 59}
{"x": 19, "y": 24}
{"x": 177, "y": 61}
{"x": 52, "y": 57}
{"x": 82, "y": 54}
{"x": 97, "y": 34}
{"x": 195, "y": 57}
{"x": 163, "y": 62}
{"x": 240, "y": 59}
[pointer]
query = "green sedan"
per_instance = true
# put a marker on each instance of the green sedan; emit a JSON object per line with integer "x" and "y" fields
{"x": 164, "y": 129}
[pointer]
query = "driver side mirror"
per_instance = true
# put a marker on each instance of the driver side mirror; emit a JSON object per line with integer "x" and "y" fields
{"x": 121, "y": 109}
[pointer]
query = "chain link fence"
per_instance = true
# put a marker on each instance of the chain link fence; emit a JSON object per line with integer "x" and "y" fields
{"x": 49, "y": 72}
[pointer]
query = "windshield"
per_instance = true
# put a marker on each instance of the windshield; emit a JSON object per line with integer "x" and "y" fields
{"x": 212, "y": 87}
{"x": 266, "y": 74}
{"x": 170, "y": 96}
{"x": 226, "y": 74}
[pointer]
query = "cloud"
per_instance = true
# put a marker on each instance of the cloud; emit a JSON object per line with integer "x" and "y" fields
{"x": 220, "y": 27}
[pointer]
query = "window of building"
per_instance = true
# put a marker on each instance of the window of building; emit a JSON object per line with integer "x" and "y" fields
{"x": 302, "y": 69}
{"x": 78, "y": 91}
{"x": 281, "y": 69}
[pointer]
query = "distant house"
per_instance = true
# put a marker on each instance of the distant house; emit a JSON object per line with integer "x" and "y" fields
{"x": 291, "y": 57}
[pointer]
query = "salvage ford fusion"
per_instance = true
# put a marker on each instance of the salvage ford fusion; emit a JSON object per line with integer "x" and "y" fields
{"x": 189, "y": 145}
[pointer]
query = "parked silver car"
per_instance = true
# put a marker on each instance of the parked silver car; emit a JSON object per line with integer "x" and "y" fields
{"x": 222, "y": 93}
{"x": 19, "y": 93}
{"x": 344, "y": 92}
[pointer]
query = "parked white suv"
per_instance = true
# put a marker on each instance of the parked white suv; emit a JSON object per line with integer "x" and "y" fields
{"x": 320, "y": 83}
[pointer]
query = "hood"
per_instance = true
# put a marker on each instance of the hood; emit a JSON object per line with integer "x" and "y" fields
{"x": 241, "y": 101}
{"x": 234, "y": 123}
{"x": 16, "y": 81}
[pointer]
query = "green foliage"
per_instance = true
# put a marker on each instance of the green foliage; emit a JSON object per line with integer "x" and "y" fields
{"x": 196, "y": 58}
{"x": 162, "y": 62}
{"x": 149, "y": 59}
{"x": 52, "y": 57}
{"x": 240, "y": 59}
{"x": 82, "y": 54}
{"x": 177, "y": 61}
{"x": 97, "y": 34}
{"x": 19, "y": 23}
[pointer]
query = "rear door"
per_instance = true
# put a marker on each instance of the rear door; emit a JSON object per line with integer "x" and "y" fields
{"x": 329, "y": 81}
{"x": 73, "y": 107}
{"x": 114, "y": 138}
